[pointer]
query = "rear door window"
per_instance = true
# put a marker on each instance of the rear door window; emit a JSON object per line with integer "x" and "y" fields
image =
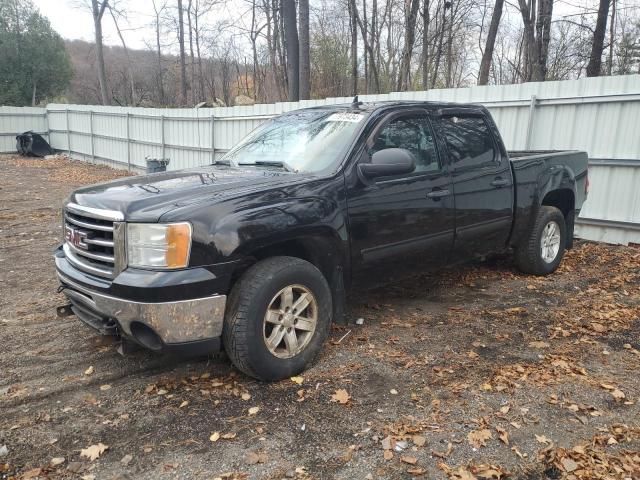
{"x": 469, "y": 141}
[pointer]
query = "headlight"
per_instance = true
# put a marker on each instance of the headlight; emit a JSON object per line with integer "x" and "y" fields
{"x": 153, "y": 245}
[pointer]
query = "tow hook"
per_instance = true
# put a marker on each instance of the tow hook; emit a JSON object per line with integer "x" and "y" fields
{"x": 64, "y": 311}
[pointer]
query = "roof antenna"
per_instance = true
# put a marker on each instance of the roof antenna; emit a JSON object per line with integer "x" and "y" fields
{"x": 355, "y": 104}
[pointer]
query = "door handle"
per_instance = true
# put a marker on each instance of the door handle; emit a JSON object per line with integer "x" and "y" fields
{"x": 438, "y": 194}
{"x": 499, "y": 182}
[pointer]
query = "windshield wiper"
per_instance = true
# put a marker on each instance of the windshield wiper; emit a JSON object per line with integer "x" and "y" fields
{"x": 272, "y": 163}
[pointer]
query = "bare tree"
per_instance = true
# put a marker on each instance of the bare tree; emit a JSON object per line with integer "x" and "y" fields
{"x": 292, "y": 48}
{"x": 425, "y": 44}
{"x": 487, "y": 55}
{"x": 409, "y": 39}
{"x": 597, "y": 44}
{"x": 115, "y": 13}
{"x": 354, "y": 46}
{"x": 98, "y": 8}
{"x": 532, "y": 51}
{"x": 305, "y": 66}
{"x": 183, "y": 64}
{"x": 158, "y": 10}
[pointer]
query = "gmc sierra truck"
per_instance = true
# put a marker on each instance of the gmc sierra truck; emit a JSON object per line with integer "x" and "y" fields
{"x": 256, "y": 252}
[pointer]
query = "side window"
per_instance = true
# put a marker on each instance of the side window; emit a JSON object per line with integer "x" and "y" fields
{"x": 469, "y": 140}
{"x": 412, "y": 133}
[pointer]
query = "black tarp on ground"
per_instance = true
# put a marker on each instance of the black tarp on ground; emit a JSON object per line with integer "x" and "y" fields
{"x": 32, "y": 145}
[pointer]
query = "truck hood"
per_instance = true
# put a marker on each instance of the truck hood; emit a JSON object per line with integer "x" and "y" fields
{"x": 146, "y": 198}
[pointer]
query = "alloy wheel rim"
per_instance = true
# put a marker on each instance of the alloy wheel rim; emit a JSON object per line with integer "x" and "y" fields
{"x": 290, "y": 321}
{"x": 550, "y": 242}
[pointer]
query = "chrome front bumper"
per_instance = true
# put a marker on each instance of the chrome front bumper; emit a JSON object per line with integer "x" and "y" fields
{"x": 174, "y": 322}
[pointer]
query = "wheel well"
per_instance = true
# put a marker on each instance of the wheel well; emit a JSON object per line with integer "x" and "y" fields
{"x": 563, "y": 200}
{"x": 317, "y": 251}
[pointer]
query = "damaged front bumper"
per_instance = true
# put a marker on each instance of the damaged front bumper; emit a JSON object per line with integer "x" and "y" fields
{"x": 182, "y": 326}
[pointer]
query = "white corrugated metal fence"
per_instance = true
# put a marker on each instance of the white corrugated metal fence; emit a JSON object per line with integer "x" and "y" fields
{"x": 599, "y": 115}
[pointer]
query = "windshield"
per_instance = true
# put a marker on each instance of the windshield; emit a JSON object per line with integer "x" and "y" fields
{"x": 306, "y": 141}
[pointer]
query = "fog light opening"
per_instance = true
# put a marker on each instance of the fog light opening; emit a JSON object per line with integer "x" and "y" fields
{"x": 146, "y": 336}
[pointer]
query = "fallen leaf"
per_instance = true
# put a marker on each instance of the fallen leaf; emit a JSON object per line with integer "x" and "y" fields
{"x": 416, "y": 471}
{"x": 478, "y": 438}
{"x": 341, "y": 396}
{"x": 617, "y": 394}
{"x": 393, "y": 391}
{"x": 184, "y": 404}
{"x": 57, "y": 461}
{"x": 215, "y": 436}
{"x": 542, "y": 439}
{"x": 245, "y": 397}
{"x": 254, "y": 458}
{"x": 297, "y": 380}
{"x": 229, "y": 436}
{"x": 598, "y": 327}
{"x": 419, "y": 440}
{"x": 253, "y": 410}
{"x": 105, "y": 387}
{"x": 89, "y": 370}
{"x": 503, "y": 435}
{"x": 539, "y": 344}
{"x": 94, "y": 451}
{"x": 568, "y": 465}
{"x": 33, "y": 473}
{"x": 388, "y": 454}
{"x": 504, "y": 410}
{"x": 126, "y": 460}
{"x": 408, "y": 459}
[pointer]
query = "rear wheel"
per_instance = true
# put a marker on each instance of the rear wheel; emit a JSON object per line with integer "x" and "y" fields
{"x": 542, "y": 251}
{"x": 278, "y": 318}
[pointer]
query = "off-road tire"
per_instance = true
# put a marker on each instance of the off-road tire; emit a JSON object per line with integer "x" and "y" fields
{"x": 528, "y": 255}
{"x": 242, "y": 334}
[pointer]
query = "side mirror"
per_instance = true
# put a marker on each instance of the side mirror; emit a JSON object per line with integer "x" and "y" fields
{"x": 388, "y": 162}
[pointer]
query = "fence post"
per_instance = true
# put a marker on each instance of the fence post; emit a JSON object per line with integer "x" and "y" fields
{"x": 213, "y": 137}
{"x": 128, "y": 142}
{"x": 93, "y": 154}
{"x": 66, "y": 111}
{"x": 46, "y": 119}
{"x": 532, "y": 111}
{"x": 162, "y": 137}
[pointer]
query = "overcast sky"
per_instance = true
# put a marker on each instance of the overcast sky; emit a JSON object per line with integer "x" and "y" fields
{"x": 73, "y": 21}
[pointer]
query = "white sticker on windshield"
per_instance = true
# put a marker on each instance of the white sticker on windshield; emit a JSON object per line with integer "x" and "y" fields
{"x": 345, "y": 117}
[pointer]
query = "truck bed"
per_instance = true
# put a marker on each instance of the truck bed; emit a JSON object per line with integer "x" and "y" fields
{"x": 536, "y": 172}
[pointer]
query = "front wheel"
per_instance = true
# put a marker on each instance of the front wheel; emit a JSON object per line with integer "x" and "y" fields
{"x": 278, "y": 317}
{"x": 542, "y": 250}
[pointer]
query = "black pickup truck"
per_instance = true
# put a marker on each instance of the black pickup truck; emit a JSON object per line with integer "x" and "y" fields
{"x": 256, "y": 252}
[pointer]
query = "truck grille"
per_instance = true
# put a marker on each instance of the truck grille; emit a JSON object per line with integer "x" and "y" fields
{"x": 91, "y": 239}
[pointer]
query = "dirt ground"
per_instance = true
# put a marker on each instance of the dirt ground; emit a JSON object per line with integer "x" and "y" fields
{"x": 474, "y": 372}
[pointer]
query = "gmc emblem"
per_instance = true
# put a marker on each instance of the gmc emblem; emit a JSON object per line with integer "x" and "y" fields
{"x": 76, "y": 237}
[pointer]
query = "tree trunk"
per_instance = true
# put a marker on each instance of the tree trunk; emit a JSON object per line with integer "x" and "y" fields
{"x": 532, "y": 51}
{"x": 33, "y": 94}
{"x": 543, "y": 32}
{"x": 183, "y": 64}
{"x": 485, "y": 64}
{"x": 449, "y": 82}
{"x": 305, "y": 66}
{"x": 292, "y": 48}
{"x": 192, "y": 66}
{"x": 409, "y": 39}
{"x": 132, "y": 85}
{"x": 425, "y": 45}
{"x": 159, "y": 54}
{"x": 98, "y": 12}
{"x": 354, "y": 47}
{"x": 369, "y": 50}
{"x": 200, "y": 74}
{"x": 612, "y": 35}
{"x": 597, "y": 46}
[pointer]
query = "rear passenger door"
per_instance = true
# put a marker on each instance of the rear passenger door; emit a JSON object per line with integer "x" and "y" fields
{"x": 482, "y": 183}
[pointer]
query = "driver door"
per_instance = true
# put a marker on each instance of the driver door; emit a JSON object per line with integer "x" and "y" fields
{"x": 401, "y": 224}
